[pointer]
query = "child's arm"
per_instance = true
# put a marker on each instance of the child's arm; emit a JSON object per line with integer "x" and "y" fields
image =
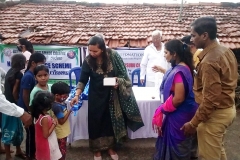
{"x": 59, "y": 113}
{"x": 26, "y": 98}
{"x": 45, "y": 127}
{"x": 64, "y": 119}
{"x": 26, "y": 85}
{"x": 15, "y": 91}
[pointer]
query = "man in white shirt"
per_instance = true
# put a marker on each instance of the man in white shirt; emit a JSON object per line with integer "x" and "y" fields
{"x": 10, "y": 108}
{"x": 153, "y": 61}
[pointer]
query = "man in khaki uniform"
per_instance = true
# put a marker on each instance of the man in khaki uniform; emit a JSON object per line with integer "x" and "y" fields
{"x": 215, "y": 82}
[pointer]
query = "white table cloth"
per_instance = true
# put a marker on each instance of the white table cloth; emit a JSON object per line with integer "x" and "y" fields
{"x": 147, "y": 106}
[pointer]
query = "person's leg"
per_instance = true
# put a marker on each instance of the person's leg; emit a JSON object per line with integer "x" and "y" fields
{"x": 211, "y": 134}
{"x": 210, "y": 140}
{"x": 98, "y": 154}
{"x": 30, "y": 142}
{"x": 223, "y": 153}
{"x": 113, "y": 154}
{"x": 17, "y": 139}
{"x": 111, "y": 151}
{"x": 19, "y": 152}
{"x": 62, "y": 143}
{"x": 27, "y": 145}
{"x": 194, "y": 147}
{"x": 2, "y": 150}
{"x": 8, "y": 152}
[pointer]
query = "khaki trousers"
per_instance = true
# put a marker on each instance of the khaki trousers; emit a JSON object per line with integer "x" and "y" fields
{"x": 211, "y": 134}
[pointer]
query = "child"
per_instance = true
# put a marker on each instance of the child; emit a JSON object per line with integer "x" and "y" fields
{"x": 61, "y": 90}
{"x": 12, "y": 130}
{"x": 46, "y": 140}
{"x": 41, "y": 73}
{"x": 27, "y": 84}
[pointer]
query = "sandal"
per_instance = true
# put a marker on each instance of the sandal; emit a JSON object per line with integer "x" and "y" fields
{"x": 21, "y": 155}
{"x": 97, "y": 158}
{"x": 114, "y": 157}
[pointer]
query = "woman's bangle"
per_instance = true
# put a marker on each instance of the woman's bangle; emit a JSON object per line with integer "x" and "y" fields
{"x": 76, "y": 95}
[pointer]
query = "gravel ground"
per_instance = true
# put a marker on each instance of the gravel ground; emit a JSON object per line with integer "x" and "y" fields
{"x": 143, "y": 149}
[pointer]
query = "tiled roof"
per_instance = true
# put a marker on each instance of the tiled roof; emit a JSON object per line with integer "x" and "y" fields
{"x": 132, "y": 25}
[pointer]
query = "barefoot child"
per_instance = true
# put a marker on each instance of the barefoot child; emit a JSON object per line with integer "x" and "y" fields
{"x": 46, "y": 140}
{"x": 12, "y": 130}
{"x": 61, "y": 90}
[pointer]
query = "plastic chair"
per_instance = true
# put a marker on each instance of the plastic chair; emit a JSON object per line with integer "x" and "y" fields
{"x": 136, "y": 72}
{"x": 77, "y": 72}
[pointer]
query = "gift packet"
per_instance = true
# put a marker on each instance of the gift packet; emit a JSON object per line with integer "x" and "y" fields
{"x": 109, "y": 81}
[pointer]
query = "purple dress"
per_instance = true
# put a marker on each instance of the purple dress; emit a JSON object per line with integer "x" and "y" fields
{"x": 173, "y": 145}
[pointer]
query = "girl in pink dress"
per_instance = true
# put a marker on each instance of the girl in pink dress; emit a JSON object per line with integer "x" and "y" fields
{"x": 46, "y": 140}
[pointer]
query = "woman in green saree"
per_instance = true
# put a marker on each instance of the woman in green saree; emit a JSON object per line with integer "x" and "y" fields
{"x": 110, "y": 109}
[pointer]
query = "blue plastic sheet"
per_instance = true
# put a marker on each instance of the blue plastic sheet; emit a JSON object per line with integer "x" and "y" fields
{"x": 83, "y": 96}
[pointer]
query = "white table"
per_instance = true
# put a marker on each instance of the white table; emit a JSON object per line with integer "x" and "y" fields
{"x": 147, "y": 106}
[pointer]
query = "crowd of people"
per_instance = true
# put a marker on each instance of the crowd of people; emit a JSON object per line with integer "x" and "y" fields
{"x": 196, "y": 77}
{"x": 197, "y": 92}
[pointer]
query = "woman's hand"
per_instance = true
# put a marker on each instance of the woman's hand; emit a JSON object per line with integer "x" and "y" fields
{"x": 157, "y": 130}
{"x": 74, "y": 100}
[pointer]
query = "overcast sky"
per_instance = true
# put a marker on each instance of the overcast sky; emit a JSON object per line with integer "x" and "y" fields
{"x": 156, "y": 1}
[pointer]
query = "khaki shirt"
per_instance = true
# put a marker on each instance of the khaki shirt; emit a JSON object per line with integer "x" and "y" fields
{"x": 195, "y": 57}
{"x": 215, "y": 81}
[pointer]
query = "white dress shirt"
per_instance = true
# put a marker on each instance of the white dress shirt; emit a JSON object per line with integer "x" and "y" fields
{"x": 7, "y": 107}
{"x": 150, "y": 58}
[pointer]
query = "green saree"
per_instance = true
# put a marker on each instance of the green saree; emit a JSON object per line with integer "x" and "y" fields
{"x": 122, "y": 101}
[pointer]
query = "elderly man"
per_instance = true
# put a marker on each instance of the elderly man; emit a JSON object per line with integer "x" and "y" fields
{"x": 153, "y": 61}
{"x": 214, "y": 87}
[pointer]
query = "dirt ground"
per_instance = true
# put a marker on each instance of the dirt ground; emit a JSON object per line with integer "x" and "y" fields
{"x": 143, "y": 149}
